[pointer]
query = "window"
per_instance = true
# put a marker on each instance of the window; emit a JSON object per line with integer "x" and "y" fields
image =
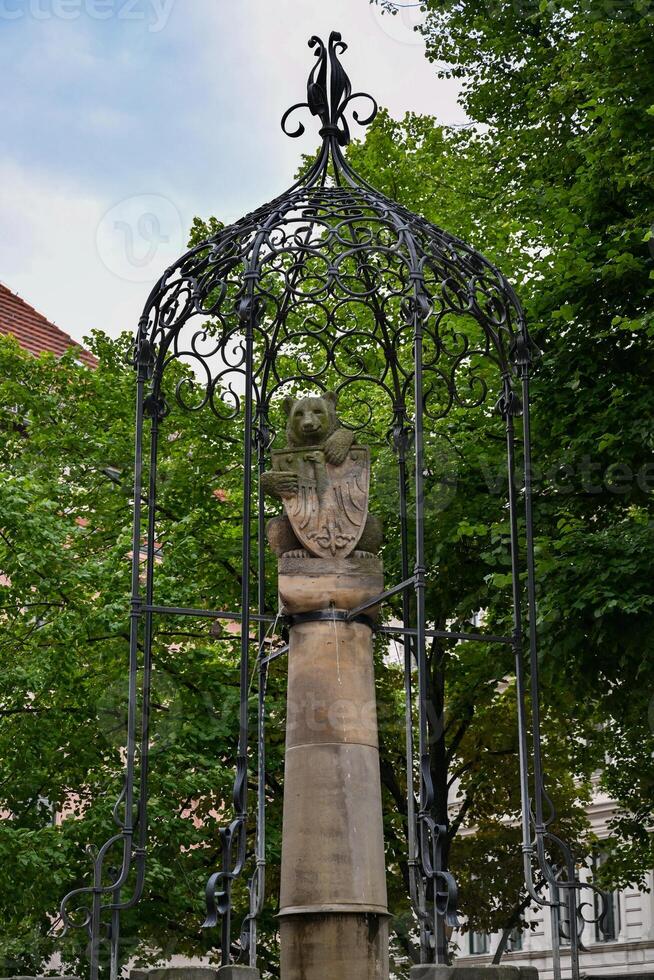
{"x": 606, "y": 908}
{"x": 514, "y": 941}
{"x": 479, "y": 943}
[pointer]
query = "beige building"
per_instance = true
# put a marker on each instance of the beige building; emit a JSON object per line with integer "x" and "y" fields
{"x": 621, "y": 946}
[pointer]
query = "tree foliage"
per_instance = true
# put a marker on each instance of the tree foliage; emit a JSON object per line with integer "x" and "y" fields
{"x": 65, "y": 545}
{"x": 554, "y": 179}
{"x": 554, "y": 183}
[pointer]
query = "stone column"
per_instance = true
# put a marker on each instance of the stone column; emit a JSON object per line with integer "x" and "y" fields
{"x": 334, "y": 920}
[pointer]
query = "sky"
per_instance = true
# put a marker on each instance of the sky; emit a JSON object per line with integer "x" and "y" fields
{"x": 123, "y": 119}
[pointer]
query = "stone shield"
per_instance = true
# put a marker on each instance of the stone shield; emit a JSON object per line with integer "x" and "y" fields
{"x": 329, "y": 510}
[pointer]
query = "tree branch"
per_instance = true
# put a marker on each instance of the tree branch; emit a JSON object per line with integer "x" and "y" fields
{"x": 455, "y": 824}
{"x": 460, "y": 734}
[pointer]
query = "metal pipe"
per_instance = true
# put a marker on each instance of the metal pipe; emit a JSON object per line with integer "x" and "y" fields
{"x": 531, "y": 598}
{"x": 447, "y": 635}
{"x": 376, "y": 600}
{"x": 523, "y": 749}
{"x": 257, "y": 885}
{"x": 426, "y": 782}
{"x": 415, "y": 880}
{"x": 207, "y": 613}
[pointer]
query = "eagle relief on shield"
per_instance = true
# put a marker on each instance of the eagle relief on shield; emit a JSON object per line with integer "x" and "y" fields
{"x": 328, "y": 511}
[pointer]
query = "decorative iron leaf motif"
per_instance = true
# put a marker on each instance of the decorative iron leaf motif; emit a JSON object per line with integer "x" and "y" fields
{"x": 329, "y": 100}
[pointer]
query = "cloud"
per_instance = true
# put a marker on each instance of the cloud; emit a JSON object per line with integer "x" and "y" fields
{"x": 82, "y": 260}
{"x": 110, "y": 113}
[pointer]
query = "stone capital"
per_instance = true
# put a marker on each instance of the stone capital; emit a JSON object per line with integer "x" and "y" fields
{"x": 310, "y": 584}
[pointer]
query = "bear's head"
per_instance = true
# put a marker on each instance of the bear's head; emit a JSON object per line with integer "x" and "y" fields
{"x": 311, "y": 420}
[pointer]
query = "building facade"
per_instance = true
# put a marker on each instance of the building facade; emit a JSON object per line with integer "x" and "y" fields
{"x": 621, "y": 945}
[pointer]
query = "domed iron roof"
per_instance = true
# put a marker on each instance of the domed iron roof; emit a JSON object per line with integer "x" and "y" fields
{"x": 336, "y": 266}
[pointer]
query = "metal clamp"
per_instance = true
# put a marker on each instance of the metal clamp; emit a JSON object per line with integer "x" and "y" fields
{"x": 328, "y": 616}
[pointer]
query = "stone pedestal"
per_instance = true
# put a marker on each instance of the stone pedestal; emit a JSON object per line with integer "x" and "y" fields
{"x": 238, "y": 973}
{"x": 333, "y": 904}
{"x": 480, "y": 972}
{"x": 197, "y": 973}
{"x": 175, "y": 973}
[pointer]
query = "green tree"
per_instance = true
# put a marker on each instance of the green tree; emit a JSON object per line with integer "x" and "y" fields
{"x": 553, "y": 179}
{"x": 64, "y": 557}
{"x": 65, "y": 541}
{"x": 554, "y": 183}
{"x": 474, "y": 730}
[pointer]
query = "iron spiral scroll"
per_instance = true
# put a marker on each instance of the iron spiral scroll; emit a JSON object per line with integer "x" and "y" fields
{"x": 331, "y": 286}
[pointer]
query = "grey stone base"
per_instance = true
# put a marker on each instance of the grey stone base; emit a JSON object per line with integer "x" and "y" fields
{"x": 176, "y": 973}
{"x": 238, "y": 973}
{"x": 474, "y": 973}
{"x": 197, "y": 973}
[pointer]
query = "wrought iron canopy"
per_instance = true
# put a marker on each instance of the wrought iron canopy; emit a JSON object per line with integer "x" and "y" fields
{"x": 330, "y": 264}
{"x": 330, "y": 286}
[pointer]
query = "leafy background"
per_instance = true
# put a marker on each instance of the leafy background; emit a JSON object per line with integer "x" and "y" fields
{"x": 553, "y": 181}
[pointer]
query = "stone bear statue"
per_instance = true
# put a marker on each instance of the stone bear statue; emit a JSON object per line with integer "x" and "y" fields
{"x": 312, "y": 422}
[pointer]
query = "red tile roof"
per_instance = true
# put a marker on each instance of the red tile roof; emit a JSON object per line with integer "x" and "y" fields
{"x": 32, "y": 331}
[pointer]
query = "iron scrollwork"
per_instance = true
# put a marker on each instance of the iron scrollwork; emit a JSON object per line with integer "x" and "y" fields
{"x": 330, "y": 286}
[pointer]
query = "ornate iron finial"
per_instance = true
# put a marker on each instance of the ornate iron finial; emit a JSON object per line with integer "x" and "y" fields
{"x": 329, "y": 102}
